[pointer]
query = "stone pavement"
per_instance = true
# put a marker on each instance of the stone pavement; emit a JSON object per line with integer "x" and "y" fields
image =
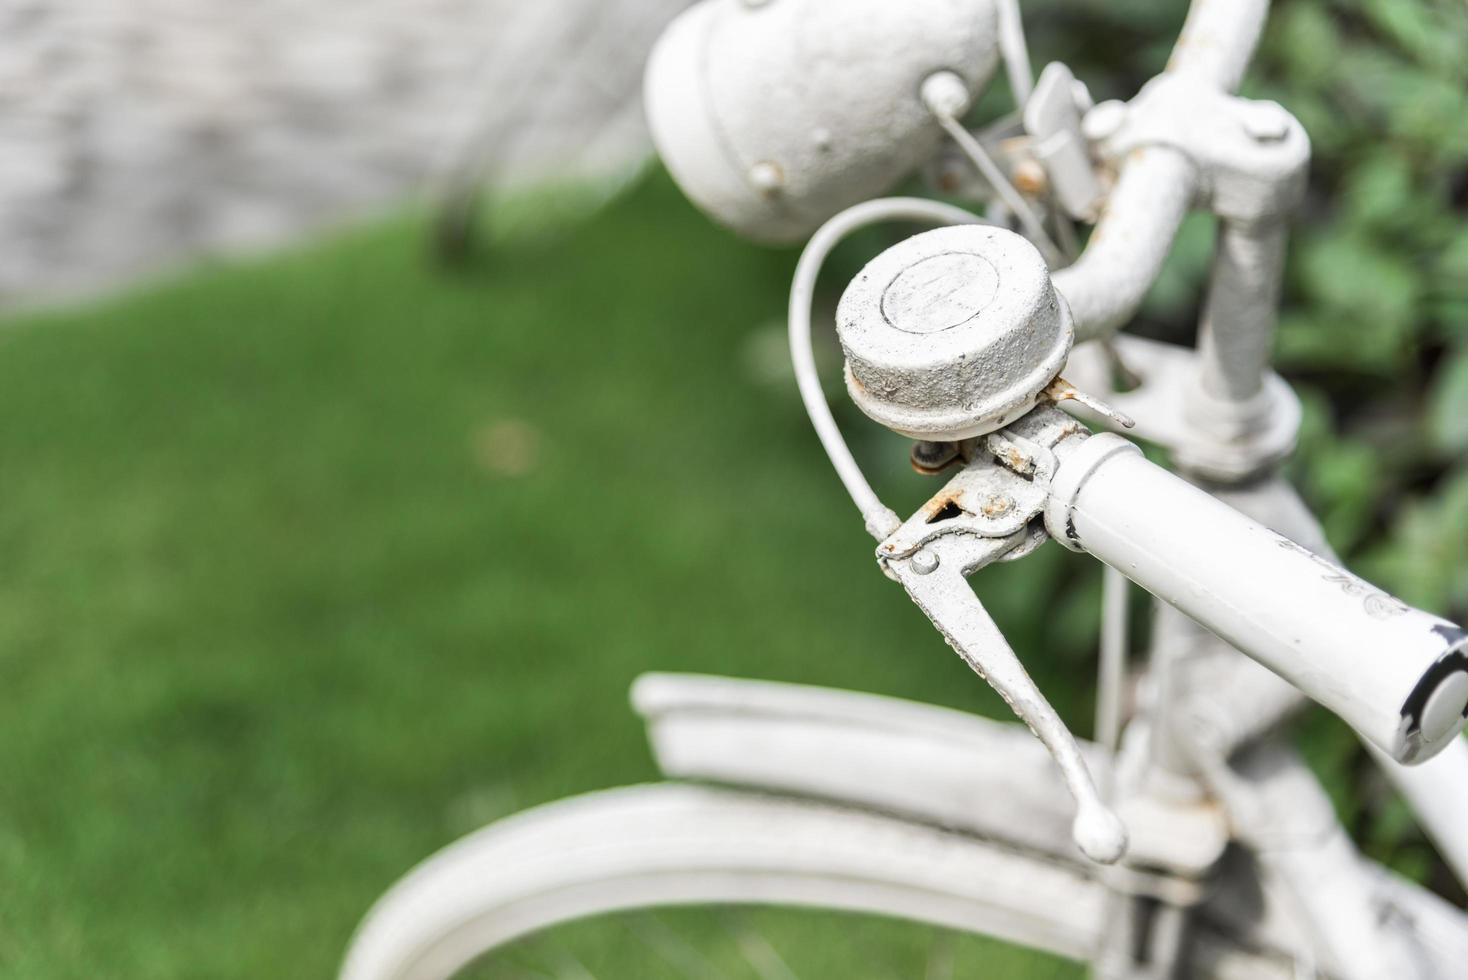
{"x": 136, "y": 135}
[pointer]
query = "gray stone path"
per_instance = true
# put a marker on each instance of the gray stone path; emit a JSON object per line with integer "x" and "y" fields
{"x": 137, "y": 134}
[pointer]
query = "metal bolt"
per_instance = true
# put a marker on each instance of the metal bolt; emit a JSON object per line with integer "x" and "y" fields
{"x": 766, "y": 177}
{"x": 924, "y": 562}
{"x": 1266, "y": 122}
{"x": 946, "y": 94}
{"x": 932, "y": 453}
{"x": 996, "y": 505}
{"x": 929, "y": 458}
{"x": 1104, "y": 120}
{"x": 1030, "y": 178}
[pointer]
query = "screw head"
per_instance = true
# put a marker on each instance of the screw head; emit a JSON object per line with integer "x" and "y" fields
{"x": 996, "y": 505}
{"x": 924, "y": 562}
{"x": 1030, "y": 178}
{"x": 766, "y": 177}
{"x": 1265, "y": 122}
{"x": 946, "y": 94}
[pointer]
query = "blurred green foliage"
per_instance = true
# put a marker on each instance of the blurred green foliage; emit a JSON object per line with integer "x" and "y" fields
{"x": 316, "y": 564}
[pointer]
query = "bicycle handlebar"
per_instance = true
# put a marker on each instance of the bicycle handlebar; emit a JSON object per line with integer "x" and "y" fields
{"x": 1396, "y": 674}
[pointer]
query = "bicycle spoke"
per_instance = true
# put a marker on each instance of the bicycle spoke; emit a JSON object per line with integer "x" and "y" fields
{"x": 513, "y": 966}
{"x": 942, "y": 953}
{"x": 570, "y": 967}
{"x": 545, "y": 959}
{"x": 757, "y": 951}
{"x": 673, "y": 948}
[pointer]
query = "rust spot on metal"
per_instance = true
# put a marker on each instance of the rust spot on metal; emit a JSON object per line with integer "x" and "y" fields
{"x": 1030, "y": 179}
{"x": 942, "y": 508}
{"x": 1059, "y": 390}
{"x": 996, "y": 505}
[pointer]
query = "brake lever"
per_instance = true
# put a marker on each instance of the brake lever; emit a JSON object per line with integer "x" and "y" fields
{"x": 991, "y": 511}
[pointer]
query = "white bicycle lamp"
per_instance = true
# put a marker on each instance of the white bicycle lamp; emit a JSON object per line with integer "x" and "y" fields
{"x": 773, "y": 115}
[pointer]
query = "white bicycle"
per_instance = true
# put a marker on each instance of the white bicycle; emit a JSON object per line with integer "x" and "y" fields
{"x": 1187, "y": 840}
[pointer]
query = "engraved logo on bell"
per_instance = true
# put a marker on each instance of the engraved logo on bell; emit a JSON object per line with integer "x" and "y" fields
{"x": 940, "y": 292}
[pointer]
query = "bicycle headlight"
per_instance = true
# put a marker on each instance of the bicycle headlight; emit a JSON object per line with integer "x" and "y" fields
{"x": 773, "y": 115}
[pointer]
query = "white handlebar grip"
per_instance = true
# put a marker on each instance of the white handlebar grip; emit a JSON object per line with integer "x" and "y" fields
{"x": 1398, "y": 675}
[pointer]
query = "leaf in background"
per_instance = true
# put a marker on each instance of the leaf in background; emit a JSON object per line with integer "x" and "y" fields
{"x": 1425, "y": 557}
{"x": 1447, "y": 413}
{"x": 1304, "y": 37}
{"x": 1361, "y": 301}
{"x": 1371, "y": 79}
{"x": 1380, "y": 194}
{"x": 1342, "y": 478}
{"x": 1324, "y": 342}
{"x": 1455, "y": 526}
{"x": 1419, "y": 105}
{"x": 1452, "y": 267}
{"x": 1417, "y": 29}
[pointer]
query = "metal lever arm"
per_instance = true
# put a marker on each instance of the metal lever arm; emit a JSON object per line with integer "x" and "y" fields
{"x": 934, "y": 578}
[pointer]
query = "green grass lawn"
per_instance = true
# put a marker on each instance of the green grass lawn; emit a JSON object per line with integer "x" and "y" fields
{"x": 312, "y": 565}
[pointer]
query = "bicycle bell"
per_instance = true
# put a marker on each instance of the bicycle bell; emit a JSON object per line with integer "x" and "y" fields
{"x": 773, "y": 115}
{"x": 953, "y": 333}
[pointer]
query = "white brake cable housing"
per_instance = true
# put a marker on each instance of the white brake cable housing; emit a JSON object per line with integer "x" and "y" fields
{"x": 880, "y": 519}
